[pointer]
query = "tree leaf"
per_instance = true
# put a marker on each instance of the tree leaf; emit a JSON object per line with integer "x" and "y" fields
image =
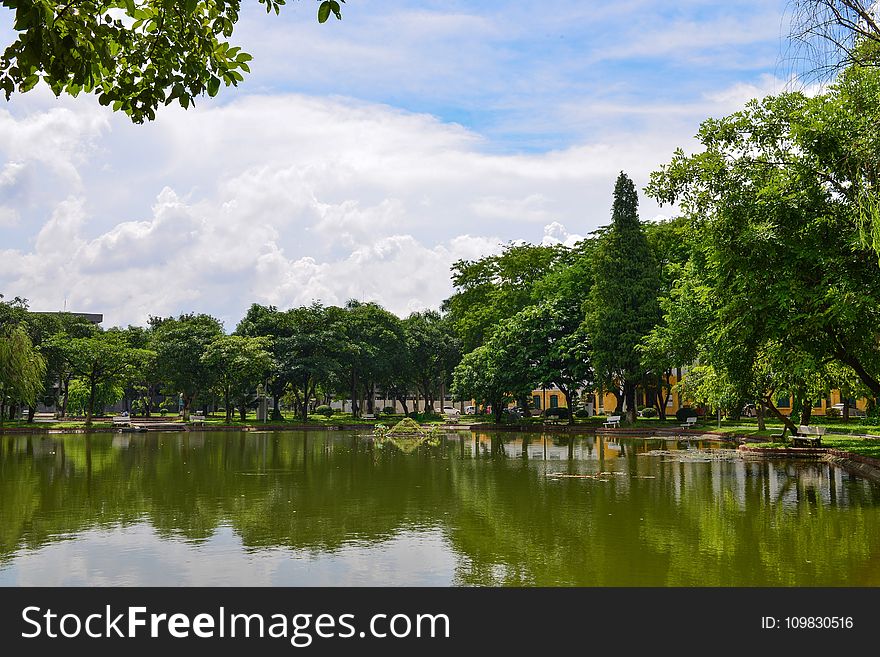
{"x": 324, "y": 11}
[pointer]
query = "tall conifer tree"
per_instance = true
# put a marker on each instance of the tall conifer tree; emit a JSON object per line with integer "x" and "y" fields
{"x": 623, "y": 300}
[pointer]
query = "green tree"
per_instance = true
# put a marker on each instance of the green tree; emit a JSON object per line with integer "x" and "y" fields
{"x": 487, "y": 376}
{"x": 100, "y": 360}
{"x": 495, "y": 288}
{"x": 133, "y": 54}
{"x": 623, "y": 302}
{"x": 22, "y": 368}
{"x": 372, "y": 348}
{"x": 179, "y": 344}
{"x": 80, "y": 396}
{"x": 780, "y": 259}
{"x": 310, "y": 355}
{"x": 546, "y": 345}
{"x": 433, "y": 352}
{"x": 276, "y": 326}
{"x": 239, "y": 363}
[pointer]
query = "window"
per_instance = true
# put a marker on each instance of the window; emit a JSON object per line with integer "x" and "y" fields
{"x": 536, "y": 401}
{"x": 783, "y": 401}
{"x": 554, "y": 401}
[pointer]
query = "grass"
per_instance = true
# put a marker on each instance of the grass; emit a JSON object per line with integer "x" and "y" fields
{"x": 864, "y": 446}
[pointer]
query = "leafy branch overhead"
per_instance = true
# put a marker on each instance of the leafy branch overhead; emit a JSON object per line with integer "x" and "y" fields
{"x": 133, "y": 54}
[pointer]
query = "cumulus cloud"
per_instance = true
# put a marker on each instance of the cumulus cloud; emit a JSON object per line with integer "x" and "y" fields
{"x": 555, "y": 233}
{"x": 213, "y": 209}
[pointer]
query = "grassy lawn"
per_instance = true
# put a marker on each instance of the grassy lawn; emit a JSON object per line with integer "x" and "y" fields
{"x": 864, "y": 446}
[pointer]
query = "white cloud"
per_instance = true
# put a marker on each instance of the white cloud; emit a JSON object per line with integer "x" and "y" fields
{"x": 213, "y": 209}
{"x": 555, "y": 233}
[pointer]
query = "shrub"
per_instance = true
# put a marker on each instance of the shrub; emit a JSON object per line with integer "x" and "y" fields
{"x": 832, "y": 413}
{"x": 559, "y": 412}
{"x": 683, "y": 414}
{"x": 324, "y": 410}
{"x": 389, "y": 410}
{"x": 649, "y": 411}
{"x": 582, "y": 413}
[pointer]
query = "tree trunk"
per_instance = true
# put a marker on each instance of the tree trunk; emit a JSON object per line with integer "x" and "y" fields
{"x": 305, "y": 409}
{"x": 619, "y": 396}
{"x": 227, "y": 400}
{"x": 845, "y": 409}
{"x": 629, "y": 393}
{"x": 846, "y": 356}
{"x": 402, "y": 400}
{"x": 789, "y": 425}
{"x": 65, "y": 397}
{"x": 759, "y": 413}
{"x": 567, "y": 393}
{"x": 91, "y": 409}
{"x": 806, "y": 411}
{"x": 276, "y": 409}
{"x": 497, "y": 411}
{"x": 31, "y": 410}
{"x": 371, "y": 397}
{"x": 354, "y": 395}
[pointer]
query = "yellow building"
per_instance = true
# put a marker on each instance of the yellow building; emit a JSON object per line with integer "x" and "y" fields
{"x": 604, "y": 403}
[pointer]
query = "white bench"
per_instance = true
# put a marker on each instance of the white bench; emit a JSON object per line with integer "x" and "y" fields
{"x": 613, "y": 421}
{"x": 121, "y": 421}
{"x": 689, "y": 422}
{"x": 368, "y": 416}
{"x": 197, "y": 418}
{"x": 808, "y": 436}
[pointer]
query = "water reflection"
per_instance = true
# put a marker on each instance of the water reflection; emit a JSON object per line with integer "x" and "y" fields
{"x": 474, "y": 509}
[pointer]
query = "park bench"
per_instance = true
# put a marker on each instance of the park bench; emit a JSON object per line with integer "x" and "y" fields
{"x": 368, "y": 416}
{"x": 197, "y": 418}
{"x": 613, "y": 421}
{"x": 808, "y": 436}
{"x": 689, "y": 422}
{"x": 121, "y": 421}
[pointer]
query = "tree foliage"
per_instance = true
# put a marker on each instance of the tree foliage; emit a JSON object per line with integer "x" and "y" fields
{"x": 179, "y": 344}
{"x": 239, "y": 364}
{"x": 495, "y": 288}
{"x": 623, "y": 301}
{"x": 133, "y": 54}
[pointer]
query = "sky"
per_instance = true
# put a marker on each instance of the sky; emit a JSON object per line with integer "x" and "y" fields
{"x": 361, "y": 158}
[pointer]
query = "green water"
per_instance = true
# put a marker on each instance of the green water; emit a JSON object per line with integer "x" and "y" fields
{"x": 333, "y": 508}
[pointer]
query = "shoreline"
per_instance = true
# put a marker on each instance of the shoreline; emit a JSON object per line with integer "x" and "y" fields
{"x": 864, "y": 466}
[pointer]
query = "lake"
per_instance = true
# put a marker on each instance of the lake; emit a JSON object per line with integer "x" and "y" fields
{"x": 336, "y": 508}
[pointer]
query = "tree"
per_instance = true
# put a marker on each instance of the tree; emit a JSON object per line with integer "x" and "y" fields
{"x": 81, "y": 396}
{"x": 486, "y": 376}
{"x": 495, "y": 288}
{"x": 780, "y": 254}
{"x": 623, "y": 300}
{"x": 133, "y": 54}
{"x": 179, "y": 344}
{"x": 22, "y": 368}
{"x": 836, "y": 33}
{"x": 433, "y": 352}
{"x": 238, "y": 363}
{"x": 275, "y": 325}
{"x": 310, "y": 355}
{"x": 99, "y": 361}
{"x": 546, "y": 345}
{"x": 372, "y": 349}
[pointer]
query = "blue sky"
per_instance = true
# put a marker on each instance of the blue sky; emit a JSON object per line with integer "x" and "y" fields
{"x": 361, "y": 158}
